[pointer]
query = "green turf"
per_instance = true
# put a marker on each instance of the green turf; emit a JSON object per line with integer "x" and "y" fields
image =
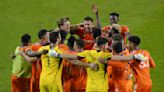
{"x": 144, "y": 18}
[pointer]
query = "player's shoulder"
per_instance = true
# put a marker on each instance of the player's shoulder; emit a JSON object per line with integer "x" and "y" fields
{"x": 124, "y": 28}
{"x": 35, "y": 46}
{"x": 47, "y": 47}
{"x": 106, "y": 28}
{"x": 145, "y": 52}
{"x": 63, "y": 47}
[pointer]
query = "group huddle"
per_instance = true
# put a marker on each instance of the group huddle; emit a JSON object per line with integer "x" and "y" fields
{"x": 82, "y": 58}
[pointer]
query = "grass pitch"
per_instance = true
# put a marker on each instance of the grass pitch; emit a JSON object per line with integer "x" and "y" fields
{"x": 144, "y": 18}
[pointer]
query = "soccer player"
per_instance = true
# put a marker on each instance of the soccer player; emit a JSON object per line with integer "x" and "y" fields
{"x": 96, "y": 78}
{"x": 68, "y": 69}
{"x": 114, "y": 19}
{"x": 141, "y": 69}
{"x": 36, "y": 65}
{"x": 88, "y": 33}
{"x": 81, "y": 80}
{"x": 92, "y": 56}
{"x": 55, "y": 66}
{"x": 65, "y": 29}
{"x": 50, "y": 78}
{"x": 21, "y": 69}
{"x": 121, "y": 73}
{"x": 73, "y": 75}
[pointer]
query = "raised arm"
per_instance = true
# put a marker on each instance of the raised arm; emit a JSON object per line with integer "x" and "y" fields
{"x": 95, "y": 10}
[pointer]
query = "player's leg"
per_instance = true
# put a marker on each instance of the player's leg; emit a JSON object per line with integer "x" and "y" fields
{"x": 81, "y": 90}
{"x": 60, "y": 87}
{"x": 15, "y": 84}
{"x": 111, "y": 85}
{"x": 75, "y": 85}
{"x": 24, "y": 84}
{"x": 67, "y": 85}
{"x": 42, "y": 87}
{"x": 34, "y": 85}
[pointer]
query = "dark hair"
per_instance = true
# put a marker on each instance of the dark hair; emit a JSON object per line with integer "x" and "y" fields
{"x": 134, "y": 39}
{"x": 114, "y": 13}
{"x": 42, "y": 33}
{"x": 88, "y": 19}
{"x": 54, "y": 36}
{"x": 117, "y": 37}
{"x": 117, "y": 47}
{"x": 113, "y": 31}
{"x": 61, "y": 21}
{"x": 71, "y": 41}
{"x": 25, "y": 38}
{"x": 101, "y": 41}
{"x": 80, "y": 43}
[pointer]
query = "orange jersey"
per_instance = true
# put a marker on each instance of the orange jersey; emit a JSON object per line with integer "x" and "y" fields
{"x": 73, "y": 76}
{"x": 88, "y": 38}
{"x": 63, "y": 47}
{"x": 36, "y": 69}
{"x": 120, "y": 71}
{"x": 36, "y": 66}
{"x": 141, "y": 69}
{"x": 124, "y": 30}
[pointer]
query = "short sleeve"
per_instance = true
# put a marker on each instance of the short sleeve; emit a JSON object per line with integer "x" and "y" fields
{"x": 41, "y": 49}
{"x": 60, "y": 51}
{"x": 83, "y": 54}
{"x": 124, "y": 29}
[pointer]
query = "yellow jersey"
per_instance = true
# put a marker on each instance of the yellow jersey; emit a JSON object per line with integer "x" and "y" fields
{"x": 96, "y": 80}
{"x": 51, "y": 68}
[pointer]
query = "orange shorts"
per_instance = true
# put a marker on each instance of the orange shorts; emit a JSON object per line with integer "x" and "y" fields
{"x": 144, "y": 88}
{"x": 67, "y": 85}
{"x": 124, "y": 89}
{"x": 34, "y": 85}
{"x": 20, "y": 84}
{"x": 111, "y": 85}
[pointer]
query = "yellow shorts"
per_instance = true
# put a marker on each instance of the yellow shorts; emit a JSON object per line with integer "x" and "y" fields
{"x": 46, "y": 88}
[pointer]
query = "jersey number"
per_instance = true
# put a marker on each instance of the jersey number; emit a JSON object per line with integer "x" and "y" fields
{"x": 48, "y": 63}
{"x": 144, "y": 64}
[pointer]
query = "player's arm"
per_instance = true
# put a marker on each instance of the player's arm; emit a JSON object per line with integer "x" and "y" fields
{"x": 35, "y": 53}
{"x": 126, "y": 31}
{"x": 27, "y": 58}
{"x": 123, "y": 58}
{"x": 95, "y": 10}
{"x": 53, "y": 53}
{"x": 12, "y": 56}
{"x": 82, "y": 64}
{"x": 68, "y": 56}
{"x": 152, "y": 63}
{"x": 127, "y": 34}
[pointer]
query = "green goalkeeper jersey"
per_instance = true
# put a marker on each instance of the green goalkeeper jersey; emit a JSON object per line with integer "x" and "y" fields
{"x": 20, "y": 68}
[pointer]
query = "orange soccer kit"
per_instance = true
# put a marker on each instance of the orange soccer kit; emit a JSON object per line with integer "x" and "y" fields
{"x": 110, "y": 80}
{"x": 21, "y": 72}
{"x": 124, "y": 30}
{"x": 141, "y": 71}
{"x": 118, "y": 75}
{"x": 86, "y": 36}
{"x": 36, "y": 70}
{"x": 74, "y": 79}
